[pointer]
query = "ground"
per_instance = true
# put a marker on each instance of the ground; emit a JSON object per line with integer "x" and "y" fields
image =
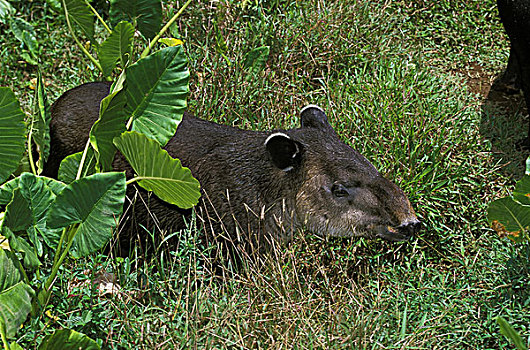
{"x": 408, "y": 85}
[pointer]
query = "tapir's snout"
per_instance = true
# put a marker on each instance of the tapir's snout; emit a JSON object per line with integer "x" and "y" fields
{"x": 402, "y": 232}
{"x": 409, "y": 228}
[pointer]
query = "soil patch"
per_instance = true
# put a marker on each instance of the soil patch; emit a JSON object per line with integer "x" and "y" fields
{"x": 506, "y": 99}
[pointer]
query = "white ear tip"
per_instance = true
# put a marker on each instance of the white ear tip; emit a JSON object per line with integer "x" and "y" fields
{"x": 274, "y": 135}
{"x": 311, "y": 106}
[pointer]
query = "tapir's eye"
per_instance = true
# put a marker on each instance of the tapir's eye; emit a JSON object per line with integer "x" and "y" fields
{"x": 339, "y": 190}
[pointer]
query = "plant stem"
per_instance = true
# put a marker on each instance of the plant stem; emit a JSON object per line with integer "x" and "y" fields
{"x": 85, "y": 51}
{"x": 59, "y": 246}
{"x": 72, "y": 230}
{"x": 163, "y": 30}
{"x": 44, "y": 293}
{"x": 82, "y": 161}
{"x": 21, "y": 268}
{"x": 139, "y": 178}
{"x": 30, "y": 153}
{"x": 3, "y": 334}
{"x": 98, "y": 17}
{"x": 130, "y": 181}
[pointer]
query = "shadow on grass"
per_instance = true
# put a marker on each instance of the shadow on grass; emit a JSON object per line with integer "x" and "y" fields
{"x": 504, "y": 121}
{"x": 512, "y": 297}
{"x": 517, "y": 275}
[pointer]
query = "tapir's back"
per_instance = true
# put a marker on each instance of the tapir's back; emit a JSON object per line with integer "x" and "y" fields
{"x": 72, "y": 116}
{"x": 198, "y": 137}
{"x": 76, "y": 111}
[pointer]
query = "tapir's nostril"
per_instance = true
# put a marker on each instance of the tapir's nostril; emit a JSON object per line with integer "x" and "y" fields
{"x": 410, "y": 227}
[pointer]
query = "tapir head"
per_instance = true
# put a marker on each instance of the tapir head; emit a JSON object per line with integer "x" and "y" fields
{"x": 341, "y": 194}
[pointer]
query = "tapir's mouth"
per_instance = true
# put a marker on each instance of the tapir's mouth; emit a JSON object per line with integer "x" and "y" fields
{"x": 400, "y": 233}
{"x": 393, "y": 235}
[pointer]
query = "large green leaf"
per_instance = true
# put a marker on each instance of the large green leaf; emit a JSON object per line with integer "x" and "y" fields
{"x": 13, "y": 132}
{"x": 15, "y": 346}
{"x": 510, "y": 333}
{"x": 18, "y": 218}
{"x": 54, "y": 185}
{"x": 25, "y": 216}
{"x": 39, "y": 198}
{"x": 67, "y": 339}
{"x": 25, "y": 32}
{"x": 156, "y": 88}
{"x": 10, "y": 273}
{"x": 95, "y": 203}
{"x": 521, "y": 193}
{"x": 41, "y": 123}
{"x": 509, "y": 218}
{"x": 19, "y": 244}
{"x": 70, "y": 165}
{"x": 18, "y": 214}
{"x": 6, "y": 190}
{"x": 15, "y": 296}
{"x": 110, "y": 124}
{"x": 117, "y": 47}
{"x": 79, "y": 13}
{"x": 160, "y": 173}
{"x": 147, "y": 14}
{"x": 15, "y": 306}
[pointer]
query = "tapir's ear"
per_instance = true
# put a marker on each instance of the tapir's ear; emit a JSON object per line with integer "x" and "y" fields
{"x": 284, "y": 152}
{"x": 313, "y": 116}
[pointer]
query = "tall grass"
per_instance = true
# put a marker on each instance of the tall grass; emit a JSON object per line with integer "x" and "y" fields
{"x": 390, "y": 76}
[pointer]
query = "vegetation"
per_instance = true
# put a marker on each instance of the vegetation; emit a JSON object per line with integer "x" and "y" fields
{"x": 46, "y": 219}
{"x": 403, "y": 82}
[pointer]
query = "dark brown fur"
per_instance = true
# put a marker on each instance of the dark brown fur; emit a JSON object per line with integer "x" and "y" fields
{"x": 256, "y": 186}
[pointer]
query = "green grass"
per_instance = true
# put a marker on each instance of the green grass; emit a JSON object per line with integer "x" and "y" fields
{"x": 392, "y": 77}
